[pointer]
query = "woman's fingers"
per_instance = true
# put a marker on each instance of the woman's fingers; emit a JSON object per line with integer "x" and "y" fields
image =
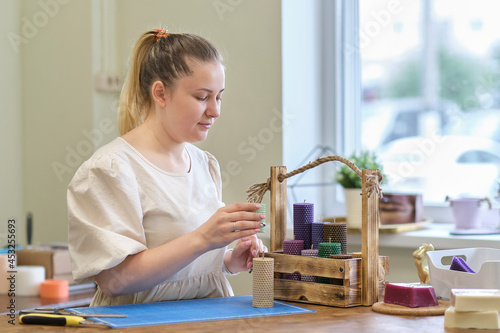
{"x": 244, "y": 225}
{"x": 241, "y": 206}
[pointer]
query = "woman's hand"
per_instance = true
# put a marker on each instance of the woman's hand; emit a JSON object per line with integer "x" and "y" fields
{"x": 150, "y": 267}
{"x": 240, "y": 258}
{"x": 229, "y": 223}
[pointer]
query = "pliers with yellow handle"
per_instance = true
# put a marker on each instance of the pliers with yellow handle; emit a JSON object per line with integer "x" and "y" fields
{"x": 54, "y": 319}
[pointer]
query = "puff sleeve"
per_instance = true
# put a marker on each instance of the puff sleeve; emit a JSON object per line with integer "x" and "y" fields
{"x": 214, "y": 169}
{"x": 105, "y": 216}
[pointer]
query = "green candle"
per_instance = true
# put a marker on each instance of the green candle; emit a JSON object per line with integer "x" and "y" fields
{"x": 324, "y": 251}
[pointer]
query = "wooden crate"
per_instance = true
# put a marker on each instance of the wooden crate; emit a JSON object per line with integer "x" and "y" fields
{"x": 359, "y": 281}
{"x": 344, "y": 290}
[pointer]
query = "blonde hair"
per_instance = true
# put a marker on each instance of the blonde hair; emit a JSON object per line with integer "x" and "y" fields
{"x": 158, "y": 56}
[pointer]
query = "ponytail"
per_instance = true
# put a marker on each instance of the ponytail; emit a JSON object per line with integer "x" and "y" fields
{"x": 133, "y": 103}
{"x": 158, "y": 56}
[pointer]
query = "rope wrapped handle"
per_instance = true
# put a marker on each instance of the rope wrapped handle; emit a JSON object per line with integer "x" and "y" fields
{"x": 256, "y": 192}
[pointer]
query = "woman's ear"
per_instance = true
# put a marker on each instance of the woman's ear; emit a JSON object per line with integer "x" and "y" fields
{"x": 159, "y": 93}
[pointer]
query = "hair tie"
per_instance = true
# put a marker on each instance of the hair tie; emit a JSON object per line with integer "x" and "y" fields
{"x": 160, "y": 33}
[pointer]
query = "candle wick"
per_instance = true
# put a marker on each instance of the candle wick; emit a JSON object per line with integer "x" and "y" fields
{"x": 304, "y": 200}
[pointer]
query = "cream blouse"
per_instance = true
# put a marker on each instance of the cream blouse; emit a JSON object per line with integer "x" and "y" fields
{"x": 119, "y": 204}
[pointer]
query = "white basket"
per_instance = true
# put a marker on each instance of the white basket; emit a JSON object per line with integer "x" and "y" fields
{"x": 484, "y": 261}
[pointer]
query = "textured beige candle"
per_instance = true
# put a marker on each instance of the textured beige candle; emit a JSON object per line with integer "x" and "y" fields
{"x": 263, "y": 282}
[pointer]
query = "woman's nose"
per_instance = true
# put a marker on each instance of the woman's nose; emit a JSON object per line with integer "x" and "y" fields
{"x": 213, "y": 108}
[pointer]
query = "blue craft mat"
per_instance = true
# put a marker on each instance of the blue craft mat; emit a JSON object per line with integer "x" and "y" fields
{"x": 186, "y": 311}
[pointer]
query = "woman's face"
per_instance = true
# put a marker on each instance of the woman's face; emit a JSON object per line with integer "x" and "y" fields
{"x": 193, "y": 104}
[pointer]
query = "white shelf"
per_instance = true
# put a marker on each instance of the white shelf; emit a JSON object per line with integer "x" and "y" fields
{"x": 437, "y": 234}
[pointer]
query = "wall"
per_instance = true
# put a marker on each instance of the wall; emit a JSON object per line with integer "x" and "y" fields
{"x": 11, "y": 123}
{"x": 57, "y": 108}
{"x": 68, "y": 41}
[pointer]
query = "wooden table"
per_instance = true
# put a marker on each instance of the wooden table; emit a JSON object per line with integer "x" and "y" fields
{"x": 327, "y": 319}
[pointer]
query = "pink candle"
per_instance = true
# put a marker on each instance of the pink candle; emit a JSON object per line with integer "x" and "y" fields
{"x": 292, "y": 247}
{"x": 410, "y": 295}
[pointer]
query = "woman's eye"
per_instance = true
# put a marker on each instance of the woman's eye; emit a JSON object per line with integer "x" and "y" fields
{"x": 202, "y": 98}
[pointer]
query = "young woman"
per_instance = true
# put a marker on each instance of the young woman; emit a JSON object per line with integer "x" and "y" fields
{"x": 146, "y": 220}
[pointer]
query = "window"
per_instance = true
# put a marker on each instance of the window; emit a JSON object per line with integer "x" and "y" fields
{"x": 431, "y": 93}
{"x": 415, "y": 81}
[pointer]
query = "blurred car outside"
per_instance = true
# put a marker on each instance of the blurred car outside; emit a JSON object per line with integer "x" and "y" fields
{"x": 385, "y": 120}
{"x": 440, "y": 166}
{"x": 482, "y": 123}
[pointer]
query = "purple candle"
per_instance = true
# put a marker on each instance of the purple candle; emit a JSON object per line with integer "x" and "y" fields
{"x": 303, "y": 217}
{"x": 317, "y": 233}
{"x": 309, "y": 253}
{"x": 292, "y": 247}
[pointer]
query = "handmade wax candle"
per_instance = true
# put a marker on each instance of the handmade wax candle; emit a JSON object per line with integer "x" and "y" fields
{"x": 470, "y": 319}
{"x": 303, "y": 217}
{"x": 55, "y": 289}
{"x": 324, "y": 251}
{"x": 309, "y": 253}
{"x": 263, "y": 282}
{"x": 292, "y": 247}
{"x": 458, "y": 264}
{"x": 262, "y": 210}
{"x": 410, "y": 295}
{"x": 336, "y": 233}
{"x": 28, "y": 280}
{"x": 317, "y": 233}
{"x": 341, "y": 256}
{"x": 475, "y": 299}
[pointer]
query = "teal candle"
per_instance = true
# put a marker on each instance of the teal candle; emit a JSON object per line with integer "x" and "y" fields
{"x": 324, "y": 251}
{"x": 262, "y": 210}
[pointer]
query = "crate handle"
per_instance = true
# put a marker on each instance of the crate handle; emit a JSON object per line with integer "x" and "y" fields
{"x": 256, "y": 192}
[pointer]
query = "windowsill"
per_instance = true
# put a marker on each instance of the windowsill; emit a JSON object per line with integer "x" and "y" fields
{"x": 437, "y": 234}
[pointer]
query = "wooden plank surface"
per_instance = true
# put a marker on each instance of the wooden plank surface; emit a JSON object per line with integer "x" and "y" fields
{"x": 315, "y": 293}
{"x": 327, "y": 319}
{"x": 285, "y": 263}
{"x": 369, "y": 243}
{"x": 278, "y": 208}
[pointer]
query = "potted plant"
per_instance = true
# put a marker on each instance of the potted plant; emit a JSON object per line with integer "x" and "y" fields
{"x": 351, "y": 183}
